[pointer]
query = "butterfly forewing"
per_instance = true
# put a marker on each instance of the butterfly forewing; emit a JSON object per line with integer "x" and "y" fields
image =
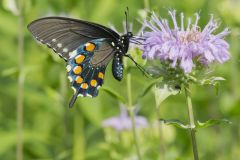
{"x": 65, "y": 35}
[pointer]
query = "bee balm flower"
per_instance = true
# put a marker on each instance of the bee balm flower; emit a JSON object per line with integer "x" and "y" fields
{"x": 123, "y": 121}
{"x": 184, "y": 46}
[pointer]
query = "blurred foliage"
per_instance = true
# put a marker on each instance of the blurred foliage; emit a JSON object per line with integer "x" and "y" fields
{"x": 52, "y": 131}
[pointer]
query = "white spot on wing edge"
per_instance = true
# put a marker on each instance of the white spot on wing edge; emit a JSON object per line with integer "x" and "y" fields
{"x": 89, "y": 95}
{"x": 80, "y": 95}
{"x": 60, "y": 54}
{"x": 54, "y": 40}
{"x": 68, "y": 67}
{"x": 74, "y": 90}
{"x": 70, "y": 78}
{"x": 73, "y": 54}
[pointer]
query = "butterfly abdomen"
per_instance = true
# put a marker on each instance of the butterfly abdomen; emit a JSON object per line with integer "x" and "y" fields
{"x": 117, "y": 67}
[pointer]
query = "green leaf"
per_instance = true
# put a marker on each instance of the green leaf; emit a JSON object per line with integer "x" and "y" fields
{"x": 163, "y": 91}
{"x": 114, "y": 94}
{"x": 213, "y": 81}
{"x": 199, "y": 125}
{"x": 211, "y": 122}
{"x": 148, "y": 88}
{"x": 176, "y": 123}
{"x": 11, "y": 6}
{"x": 10, "y": 71}
{"x": 15, "y": 70}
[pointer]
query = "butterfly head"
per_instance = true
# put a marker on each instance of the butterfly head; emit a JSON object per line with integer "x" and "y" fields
{"x": 129, "y": 35}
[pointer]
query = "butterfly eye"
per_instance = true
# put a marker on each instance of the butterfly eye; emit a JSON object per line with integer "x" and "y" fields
{"x": 129, "y": 34}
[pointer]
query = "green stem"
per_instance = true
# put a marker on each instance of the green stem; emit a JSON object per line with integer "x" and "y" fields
{"x": 20, "y": 95}
{"x": 64, "y": 103}
{"x": 192, "y": 125}
{"x": 132, "y": 115}
{"x": 129, "y": 90}
{"x": 234, "y": 62}
{"x": 78, "y": 137}
{"x": 131, "y": 111}
{"x": 160, "y": 129}
{"x": 146, "y": 4}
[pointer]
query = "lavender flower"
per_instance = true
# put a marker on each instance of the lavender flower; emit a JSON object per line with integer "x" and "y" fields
{"x": 182, "y": 46}
{"x": 123, "y": 121}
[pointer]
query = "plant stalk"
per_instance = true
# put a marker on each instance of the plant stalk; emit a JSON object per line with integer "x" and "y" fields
{"x": 78, "y": 137}
{"x": 132, "y": 115}
{"x": 20, "y": 88}
{"x": 160, "y": 127}
{"x": 192, "y": 124}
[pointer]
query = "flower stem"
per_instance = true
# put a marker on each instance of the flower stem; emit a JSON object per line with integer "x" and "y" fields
{"x": 132, "y": 115}
{"x": 20, "y": 90}
{"x": 78, "y": 136}
{"x": 146, "y": 4}
{"x": 192, "y": 125}
{"x": 129, "y": 90}
{"x": 131, "y": 111}
{"x": 160, "y": 128}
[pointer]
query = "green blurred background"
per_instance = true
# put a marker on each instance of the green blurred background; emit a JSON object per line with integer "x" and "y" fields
{"x": 51, "y": 131}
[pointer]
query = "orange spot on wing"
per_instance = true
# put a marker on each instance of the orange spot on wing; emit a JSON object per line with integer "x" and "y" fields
{"x": 100, "y": 75}
{"x": 84, "y": 86}
{"x": 93, "y": 83}
{"x": 89, "y": 47}
{"x": 79, "y": 79}
{"x": 77, "y": 70}
{"x": 79, "y": 59}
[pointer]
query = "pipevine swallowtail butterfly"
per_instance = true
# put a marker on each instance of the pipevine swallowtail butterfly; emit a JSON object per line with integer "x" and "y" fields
{"x": 87, "y": 48}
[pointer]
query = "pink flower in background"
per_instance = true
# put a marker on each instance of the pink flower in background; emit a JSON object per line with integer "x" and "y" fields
{"x": 123, "y": 121}
{"x": 183, "y": 46}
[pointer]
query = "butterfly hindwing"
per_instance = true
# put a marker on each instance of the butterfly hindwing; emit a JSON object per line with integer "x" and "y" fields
{"x": 86, "y": 67}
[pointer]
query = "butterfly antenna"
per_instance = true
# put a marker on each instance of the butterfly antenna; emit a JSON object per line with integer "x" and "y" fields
{"x": 127, "y": 14}
{"x": 138, "y": 66}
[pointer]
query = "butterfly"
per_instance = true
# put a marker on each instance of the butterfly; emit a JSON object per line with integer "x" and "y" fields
{"x": 87, "y": 48}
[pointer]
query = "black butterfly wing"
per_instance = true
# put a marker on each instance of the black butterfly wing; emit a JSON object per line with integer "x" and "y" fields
{"x": 86, "y": 67}
{"x": 65, "y": 35}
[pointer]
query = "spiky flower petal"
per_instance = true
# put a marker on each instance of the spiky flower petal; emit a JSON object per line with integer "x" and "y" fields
{"x": 184, "y": 46}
